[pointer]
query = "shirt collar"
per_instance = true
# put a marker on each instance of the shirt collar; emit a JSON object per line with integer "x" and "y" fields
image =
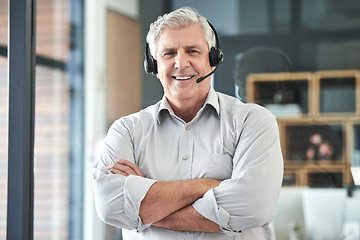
{"x": 211, "y": 100}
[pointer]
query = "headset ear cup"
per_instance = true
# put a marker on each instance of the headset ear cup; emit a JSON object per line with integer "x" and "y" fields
{"x": 150, "y": 65}
{"x": 147, "y": 66}
{"x": 216, "y": 56}
{"x": 155, "y": 69}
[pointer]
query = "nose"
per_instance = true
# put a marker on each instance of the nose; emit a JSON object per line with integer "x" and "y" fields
{"x": 181, "y": 60}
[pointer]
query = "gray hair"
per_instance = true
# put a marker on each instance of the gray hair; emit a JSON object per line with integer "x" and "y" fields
{"x": 180, "y": 18}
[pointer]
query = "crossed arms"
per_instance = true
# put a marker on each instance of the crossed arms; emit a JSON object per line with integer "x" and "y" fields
{"x": 168, "y": 204}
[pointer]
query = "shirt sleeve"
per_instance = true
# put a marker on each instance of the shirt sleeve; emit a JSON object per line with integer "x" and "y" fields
{"x": 118, "y": 198}
{"x": 249, "y": 198}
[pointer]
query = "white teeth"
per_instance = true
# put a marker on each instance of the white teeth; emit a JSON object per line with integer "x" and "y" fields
{"x": 182, "y": 78}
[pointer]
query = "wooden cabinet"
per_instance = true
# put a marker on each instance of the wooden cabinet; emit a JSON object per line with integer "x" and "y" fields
{"x": 319, "y": 121}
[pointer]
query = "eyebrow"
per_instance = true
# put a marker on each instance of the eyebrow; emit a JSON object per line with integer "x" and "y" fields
{"x": 168, "y": 49}
{"x": 192, "y": 47}
{"x": 186, "y": 48}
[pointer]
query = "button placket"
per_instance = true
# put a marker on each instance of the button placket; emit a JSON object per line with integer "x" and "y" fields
{"x": 186, "y": 152}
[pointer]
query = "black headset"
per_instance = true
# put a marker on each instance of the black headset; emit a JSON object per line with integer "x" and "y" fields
{"x": 216, "y": 55}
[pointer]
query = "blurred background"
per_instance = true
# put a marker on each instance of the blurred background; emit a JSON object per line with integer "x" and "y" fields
{"x": 298, "y": 58}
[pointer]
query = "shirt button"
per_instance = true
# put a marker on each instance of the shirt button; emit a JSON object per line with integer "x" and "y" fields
{"x": 185, "y": 157}
{"x": 187, "y": 127}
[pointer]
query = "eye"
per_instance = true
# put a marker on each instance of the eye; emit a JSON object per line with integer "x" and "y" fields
{"x": 192, "y": 51}
{"x": 169, "y": 53}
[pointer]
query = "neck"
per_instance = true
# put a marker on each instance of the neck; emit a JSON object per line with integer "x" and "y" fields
{"x": 186, "y": 111}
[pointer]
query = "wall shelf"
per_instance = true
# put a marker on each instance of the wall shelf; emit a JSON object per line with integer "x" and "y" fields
{"x": 318, "y": 116}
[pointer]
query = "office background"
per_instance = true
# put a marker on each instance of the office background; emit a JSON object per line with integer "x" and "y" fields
{"x": 89, "y": 72}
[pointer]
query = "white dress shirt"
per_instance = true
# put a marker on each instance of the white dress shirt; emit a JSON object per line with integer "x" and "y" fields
{"x": 227, "y": 140}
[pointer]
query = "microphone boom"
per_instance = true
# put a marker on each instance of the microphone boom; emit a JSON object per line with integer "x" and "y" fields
{"x": 207, "y": 75}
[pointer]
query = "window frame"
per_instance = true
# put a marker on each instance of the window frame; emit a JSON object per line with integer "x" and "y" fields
{"x": 21, "y": 69}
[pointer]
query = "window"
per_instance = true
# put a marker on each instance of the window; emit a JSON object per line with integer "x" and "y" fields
{"x": 58, "y": 120}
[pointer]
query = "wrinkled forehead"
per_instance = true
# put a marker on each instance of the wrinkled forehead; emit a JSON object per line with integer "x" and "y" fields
{"x": 189, "y": 36}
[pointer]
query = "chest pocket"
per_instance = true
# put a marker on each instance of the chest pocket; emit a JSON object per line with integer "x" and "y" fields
{"x": 220, "y": 166}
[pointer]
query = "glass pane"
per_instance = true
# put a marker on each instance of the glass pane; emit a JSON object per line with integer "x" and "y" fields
{"x": 51, "y": 197}
{"x": 243, "y": 17}
{"x": 3, "y": 116}
{"x": 330, "y": 14}
{"x": 226, "y": 24}
{"x": 281, "y": 16}
{"x": 51, "y": 154}
{"x": 53, "y": 29}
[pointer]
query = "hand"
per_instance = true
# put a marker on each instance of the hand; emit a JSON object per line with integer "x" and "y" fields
{"x": 125, "y": 168}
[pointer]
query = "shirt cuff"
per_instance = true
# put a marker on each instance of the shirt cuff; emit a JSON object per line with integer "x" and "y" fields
{"x": 208, "y": 208}
{"x": 135, "y": 189}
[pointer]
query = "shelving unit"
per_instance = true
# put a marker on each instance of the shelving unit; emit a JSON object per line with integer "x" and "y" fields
{"x": 319, "y": 122}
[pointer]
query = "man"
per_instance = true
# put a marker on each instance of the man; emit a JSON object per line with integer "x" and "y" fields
{"x": 198, "y": 164}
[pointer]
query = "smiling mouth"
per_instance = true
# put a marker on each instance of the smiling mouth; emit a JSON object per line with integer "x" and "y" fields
{"x": 183, "y": 78}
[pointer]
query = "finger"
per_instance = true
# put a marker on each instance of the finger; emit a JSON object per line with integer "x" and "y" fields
{"x": 131, "y": 165}
{"x": 123, "y": 168}
{"x": 116, "y": 171}
{"x": 109, "y": 167}
{"x": 119, "y": 169}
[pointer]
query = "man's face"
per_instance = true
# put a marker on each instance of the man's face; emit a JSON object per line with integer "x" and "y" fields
{"x": 183, "y": 57}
